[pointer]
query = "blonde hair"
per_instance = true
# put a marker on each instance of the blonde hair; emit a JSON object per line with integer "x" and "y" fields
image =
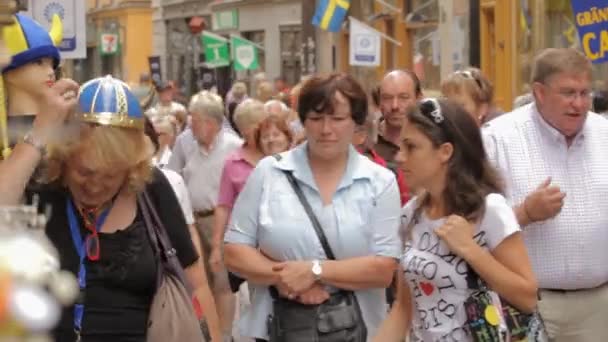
{"x": 105, "y": 148}
{"x": 208, "y": 104}
{"x": 249, "y": 113}
{"x": 265, "y": 91}
{"x": 470, "y": 82}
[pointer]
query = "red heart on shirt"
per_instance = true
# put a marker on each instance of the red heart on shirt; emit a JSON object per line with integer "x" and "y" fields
{"x": 427, "y": 288}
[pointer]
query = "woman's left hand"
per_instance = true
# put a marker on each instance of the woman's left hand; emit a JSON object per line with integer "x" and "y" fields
{"x": 457, "y": 233}
{"x": 295, "y": 276}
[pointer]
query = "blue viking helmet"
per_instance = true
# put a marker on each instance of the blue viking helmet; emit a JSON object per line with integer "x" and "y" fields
{"x": 26, "y": 41}
{"x": 109, "y": 101}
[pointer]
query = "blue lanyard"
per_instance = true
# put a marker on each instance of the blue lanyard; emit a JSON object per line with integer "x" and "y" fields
{"x": 79, "y": 245}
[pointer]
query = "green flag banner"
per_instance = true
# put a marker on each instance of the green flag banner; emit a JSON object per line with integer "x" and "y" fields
{"x": 244, "y": 54}
{"x": 216, "y": 49}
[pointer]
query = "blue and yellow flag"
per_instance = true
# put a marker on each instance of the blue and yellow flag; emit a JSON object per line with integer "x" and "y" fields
{"x": 330, "y": 14}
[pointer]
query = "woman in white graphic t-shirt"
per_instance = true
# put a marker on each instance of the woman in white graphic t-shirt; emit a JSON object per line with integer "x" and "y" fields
{"x": 460, "y": 220}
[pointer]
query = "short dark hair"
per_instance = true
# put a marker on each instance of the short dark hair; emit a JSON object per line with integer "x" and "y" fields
{"x": 470, "y": 176}
{"x": 375, "y": 94}
{"x": 317, "y": 95}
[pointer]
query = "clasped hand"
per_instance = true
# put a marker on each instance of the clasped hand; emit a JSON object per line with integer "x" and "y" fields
{"x": 457, "y": 233}
{"x": 296, "y": 281}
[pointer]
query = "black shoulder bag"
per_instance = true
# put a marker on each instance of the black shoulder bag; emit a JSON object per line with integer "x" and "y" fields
{"x": 338, "y": 319}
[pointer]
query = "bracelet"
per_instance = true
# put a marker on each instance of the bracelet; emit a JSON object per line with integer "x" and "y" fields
{"x": 32, "y": 140}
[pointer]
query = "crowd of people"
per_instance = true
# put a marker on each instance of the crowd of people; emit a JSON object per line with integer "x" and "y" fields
{"x": 326, "y": 212}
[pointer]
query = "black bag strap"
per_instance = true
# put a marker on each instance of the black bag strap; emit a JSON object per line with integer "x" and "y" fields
{"x": 311, "y": 215}
{"x": 161, "y": 244}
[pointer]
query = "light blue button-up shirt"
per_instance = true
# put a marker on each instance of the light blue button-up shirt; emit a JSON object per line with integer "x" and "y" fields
{"x": 363, "y": 219}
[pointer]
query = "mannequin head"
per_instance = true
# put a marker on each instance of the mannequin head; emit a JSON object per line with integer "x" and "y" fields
{"x": 34, "y": 58}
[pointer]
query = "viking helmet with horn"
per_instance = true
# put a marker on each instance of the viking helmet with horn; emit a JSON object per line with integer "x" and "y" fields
{"x": 27, "y": 41}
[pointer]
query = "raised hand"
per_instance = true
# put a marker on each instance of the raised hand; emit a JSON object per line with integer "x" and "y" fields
{"x": 545, "y": 202}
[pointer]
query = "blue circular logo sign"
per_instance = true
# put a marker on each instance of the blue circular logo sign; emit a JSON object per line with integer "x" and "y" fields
{"x": 365, "y": 42}
{"x": 52, "y": 9}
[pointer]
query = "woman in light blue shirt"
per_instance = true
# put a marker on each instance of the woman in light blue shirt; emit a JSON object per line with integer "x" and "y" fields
{"x": 270, "y": 240}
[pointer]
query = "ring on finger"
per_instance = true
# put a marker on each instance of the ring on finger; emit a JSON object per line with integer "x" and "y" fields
{"x": 68, "y": 95}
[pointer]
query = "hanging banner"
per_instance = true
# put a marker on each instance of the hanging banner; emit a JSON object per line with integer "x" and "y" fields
{"x": 244, "y": 54}
{"x": 108, "y": 44}
{"x": 216, "y": 50}
{"x": 591, "y": 17}
{"x": 365, "y": 47}
{"x": 73, "y": 18}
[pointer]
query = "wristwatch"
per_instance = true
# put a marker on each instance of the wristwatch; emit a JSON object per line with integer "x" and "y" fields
{"x": 31, "y": 139}
{"x": 317, "y": 270}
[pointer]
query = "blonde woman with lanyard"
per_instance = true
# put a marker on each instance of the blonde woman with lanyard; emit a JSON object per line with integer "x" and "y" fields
{"x": 460, "y": 229}
{"x": 92, "y": 181}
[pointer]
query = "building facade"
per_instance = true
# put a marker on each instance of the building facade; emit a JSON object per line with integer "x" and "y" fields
{"x": 274, "y": 26}
{"x": 131, "y": 23}
{"x": 440, "y": 36}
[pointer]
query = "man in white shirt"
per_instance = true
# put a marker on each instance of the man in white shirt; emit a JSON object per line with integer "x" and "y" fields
{"x": 198, "y": 155}
{"x": 551, "y": 156}
{"x": 166, "y": 106}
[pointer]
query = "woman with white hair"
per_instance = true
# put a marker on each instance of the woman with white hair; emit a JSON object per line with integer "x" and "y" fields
{"x": 166, "y": 130}
{"x": 278, "y": 108}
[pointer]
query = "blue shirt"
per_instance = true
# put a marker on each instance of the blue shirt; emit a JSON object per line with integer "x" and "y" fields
{"x": 363, "y": 219}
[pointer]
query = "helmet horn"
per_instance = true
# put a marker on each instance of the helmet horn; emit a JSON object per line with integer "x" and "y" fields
{"x": 56, "y": 31}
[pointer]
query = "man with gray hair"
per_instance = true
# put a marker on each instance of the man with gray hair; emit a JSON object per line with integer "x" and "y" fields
{"x": 552, "y": 159}
{"x": 199, "y": 155}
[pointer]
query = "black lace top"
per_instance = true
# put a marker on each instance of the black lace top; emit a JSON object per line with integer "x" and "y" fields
{"x": 121, "y": 284}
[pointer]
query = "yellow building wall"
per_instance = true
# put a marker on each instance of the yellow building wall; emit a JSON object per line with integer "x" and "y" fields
{"x": 138, "y": 44}
{"x": 135, "y": 33}
{"x": 499, "y": 62}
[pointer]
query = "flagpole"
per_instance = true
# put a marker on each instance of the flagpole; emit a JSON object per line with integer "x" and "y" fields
{"x": 389, "y": 6}
{"x": 387, "y": 37}
{"x": 232, "y": 35}
{"x": 213, "y": 35}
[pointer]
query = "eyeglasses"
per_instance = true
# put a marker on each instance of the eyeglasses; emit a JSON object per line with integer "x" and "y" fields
{"x": 91, "y": 241}
{"x": 430, "y": 108}
{"x": 570, "y": 94}
{"x": 470, "y": 75}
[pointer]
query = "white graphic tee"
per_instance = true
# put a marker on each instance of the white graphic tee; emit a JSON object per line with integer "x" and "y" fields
{"x": 437, "y": 278}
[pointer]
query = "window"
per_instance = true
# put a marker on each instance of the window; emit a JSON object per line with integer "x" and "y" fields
{"x": 291, "y": 44}
{"x": 544, "y": 24}
{"x": 422, "y": 20}
{"x": 258, "y": 38}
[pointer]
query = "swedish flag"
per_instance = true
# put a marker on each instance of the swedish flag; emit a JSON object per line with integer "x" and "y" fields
{"x": 330, "y": 14}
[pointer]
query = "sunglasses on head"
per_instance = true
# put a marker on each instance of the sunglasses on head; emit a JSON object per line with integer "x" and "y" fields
{"x": 470, "y": 75}
{"x": 430, "y": 108}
